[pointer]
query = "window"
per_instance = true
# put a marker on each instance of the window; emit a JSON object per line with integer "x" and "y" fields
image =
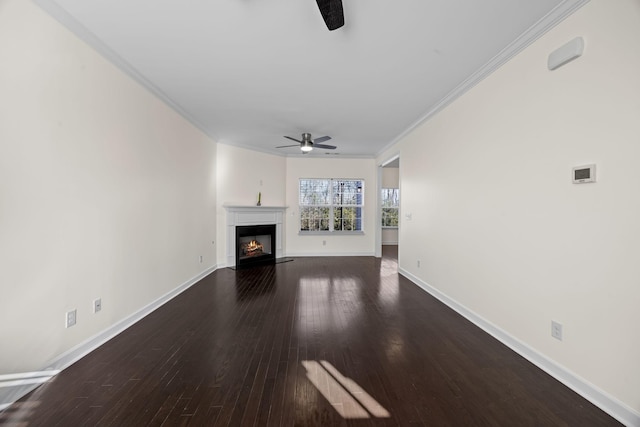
{"x": 328, "y": 205}
{"x": 390, "y": 206}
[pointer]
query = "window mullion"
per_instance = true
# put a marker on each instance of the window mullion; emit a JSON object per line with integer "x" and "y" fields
{"x": 331, "y": 217}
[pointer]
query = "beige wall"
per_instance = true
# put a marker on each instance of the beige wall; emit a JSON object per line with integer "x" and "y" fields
{"x": 390, "y": 177}
{"x": 104, "y": 191}
{"x": 242, "y": 174}
{"x": 499, "y": 227}
{"x": 301, "y": 245}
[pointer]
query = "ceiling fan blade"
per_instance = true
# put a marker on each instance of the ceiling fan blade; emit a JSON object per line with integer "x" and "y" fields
{"x": 326, "y": 147}
{"x": 293, "y": 139}
{"x": 285, "y": 146}
{"x": 332, "y": 13}
{"x": 321, "y": 139}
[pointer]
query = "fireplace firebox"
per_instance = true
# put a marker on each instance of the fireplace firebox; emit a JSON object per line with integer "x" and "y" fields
{"x": 255, "y": 244}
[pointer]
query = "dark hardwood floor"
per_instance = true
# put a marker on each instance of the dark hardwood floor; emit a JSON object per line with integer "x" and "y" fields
{"x": 316, "y": 341}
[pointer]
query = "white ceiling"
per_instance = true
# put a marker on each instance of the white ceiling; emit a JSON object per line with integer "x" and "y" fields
{"x": 248, "y": 72}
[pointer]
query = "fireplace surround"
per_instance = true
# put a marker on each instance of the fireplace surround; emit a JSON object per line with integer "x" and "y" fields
{"x": 242, "y": 216}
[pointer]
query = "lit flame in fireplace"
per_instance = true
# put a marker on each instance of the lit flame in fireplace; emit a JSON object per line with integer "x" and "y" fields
{"x": 253, "y": 248}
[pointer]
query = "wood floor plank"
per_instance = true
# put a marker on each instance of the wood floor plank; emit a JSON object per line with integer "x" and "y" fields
{"x": 232, "y": 351}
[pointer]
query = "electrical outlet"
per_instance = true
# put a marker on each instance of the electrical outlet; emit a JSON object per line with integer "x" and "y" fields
{"x": 418, "y": 263}
{"x": 556, "y": 330}
{"x": 97, "y": 305}
{"x": 70, "y": 318}
{"x": 324, "y": 243}
{"x": 200, "y": 259}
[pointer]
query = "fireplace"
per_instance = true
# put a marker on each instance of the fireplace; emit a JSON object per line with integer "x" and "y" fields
{"x": 242, "y": 216}
{"x": 255, "y": 244}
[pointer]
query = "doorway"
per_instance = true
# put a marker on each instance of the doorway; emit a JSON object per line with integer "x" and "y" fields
{"x": 389, "y": 206}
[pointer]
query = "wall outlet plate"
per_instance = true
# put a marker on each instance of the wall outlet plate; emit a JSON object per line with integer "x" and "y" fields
{"x": 556, "y": 330}
{"x": 70, "y": 318}
{"x": 97, "y": 305}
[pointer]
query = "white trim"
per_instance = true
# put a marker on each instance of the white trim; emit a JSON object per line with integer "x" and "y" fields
{"x": 390, "y": 160}
{"x": 26, "y": 375}
{"x": 593, "y": 394}
{"x": 253, "y": 215}
{"x": 330, "y": 233}
{"x": 327, "y": 254}
{"x": 72, "y": 24}
{"x": 537, "y": 30}
{"x": 378, "y": 232}
{"x": 246, "y": 208}
{"x": 297, "y": 153}
{"x": 26, "y": 381}
{"x": 378, "y": 235}
{"x": 390, "y": 243}
{"x": 557, "y": 15}
{"x": 332, "y": 206}
{"x": 15, "y": 386}
{"x": 83, "y": 33}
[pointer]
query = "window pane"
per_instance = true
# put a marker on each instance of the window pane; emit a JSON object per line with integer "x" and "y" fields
{"x": 314, "y": 218}
{"x": 314, "y": 192}
{"x": 347, "y": 219}
{"x": 390, "y": 197}
{"x": 389, "y": 217}
{"x": 347, "y": 192}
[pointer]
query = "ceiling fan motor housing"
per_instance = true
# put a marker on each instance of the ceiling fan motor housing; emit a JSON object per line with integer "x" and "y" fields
{"x": 307, "y": 143}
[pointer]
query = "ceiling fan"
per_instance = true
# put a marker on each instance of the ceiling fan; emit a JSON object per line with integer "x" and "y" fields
{"x": 307, "y": 144}
{"x": 332, "y": 13}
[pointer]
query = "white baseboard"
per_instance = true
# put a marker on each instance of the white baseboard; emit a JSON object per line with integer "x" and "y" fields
{"x": 395, "y": 243}
{"x": 15, "y": 386}
{"x": 314, "y": 254}
{"x": 598, "y": 397}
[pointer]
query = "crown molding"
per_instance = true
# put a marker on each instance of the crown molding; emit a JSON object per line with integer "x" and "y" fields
{"x": 52, "y": 8}
{"x": 537, "y": 30}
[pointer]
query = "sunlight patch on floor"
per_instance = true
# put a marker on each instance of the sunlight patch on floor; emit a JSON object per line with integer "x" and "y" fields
{"x": 345, "y": 395}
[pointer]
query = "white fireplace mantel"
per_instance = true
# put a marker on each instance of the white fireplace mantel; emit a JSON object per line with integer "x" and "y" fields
{"x": 253, "y": 215}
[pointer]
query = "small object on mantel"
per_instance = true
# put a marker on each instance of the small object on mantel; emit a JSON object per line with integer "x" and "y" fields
{"x": 259, "y": 198}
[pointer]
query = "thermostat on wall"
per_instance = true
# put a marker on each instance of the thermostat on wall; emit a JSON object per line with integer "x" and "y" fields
{"x": 584, "y": 174}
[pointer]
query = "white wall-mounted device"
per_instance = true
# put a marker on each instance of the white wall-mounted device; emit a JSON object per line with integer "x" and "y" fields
{"x": 584, "y": 174}
{"x": 566, "y": 53}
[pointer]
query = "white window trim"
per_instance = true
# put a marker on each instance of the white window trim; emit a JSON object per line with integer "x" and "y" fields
{"x": 331, "y": 207}
{"x": 330, "y": 233}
